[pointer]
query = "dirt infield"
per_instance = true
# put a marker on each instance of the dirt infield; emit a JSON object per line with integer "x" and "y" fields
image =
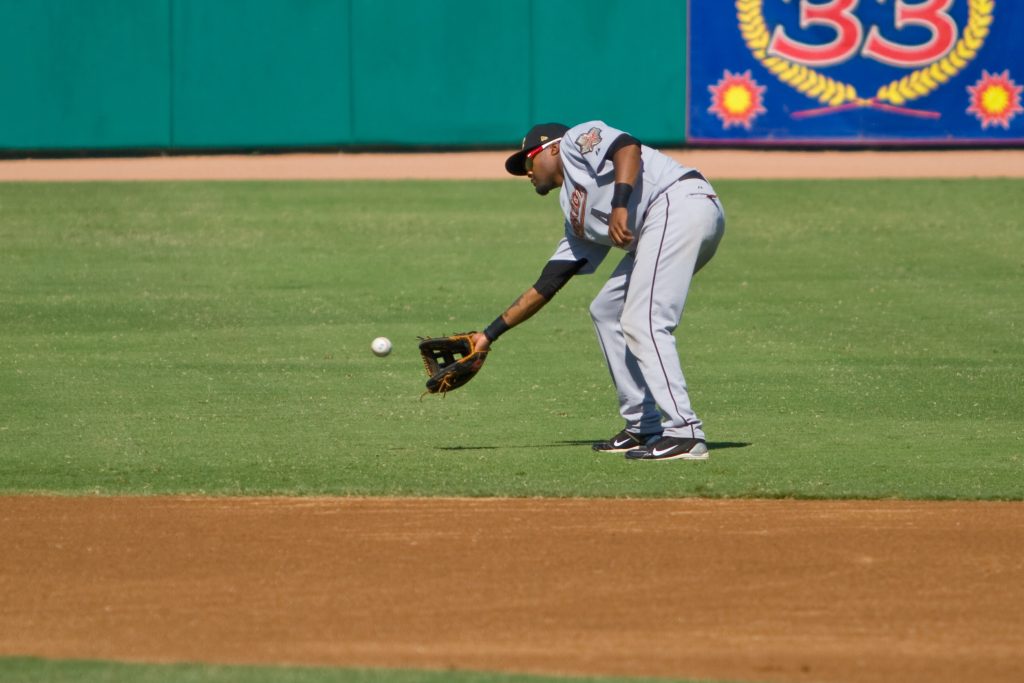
{"x": 716, "y": 164}
{"x": 744, "y": 590}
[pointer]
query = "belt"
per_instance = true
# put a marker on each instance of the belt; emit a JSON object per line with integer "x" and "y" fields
{"x": 693, "y": 174}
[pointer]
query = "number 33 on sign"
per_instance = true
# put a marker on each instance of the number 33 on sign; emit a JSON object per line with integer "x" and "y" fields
{"x": 851, "y": 38}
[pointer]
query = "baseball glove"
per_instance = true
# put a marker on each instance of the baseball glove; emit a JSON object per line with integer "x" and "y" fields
{"x": 450, "y": 361}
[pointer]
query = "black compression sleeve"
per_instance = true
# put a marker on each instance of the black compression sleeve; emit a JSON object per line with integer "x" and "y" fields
{"x": 555, "y": 275}
{"x": 624, "y": 140}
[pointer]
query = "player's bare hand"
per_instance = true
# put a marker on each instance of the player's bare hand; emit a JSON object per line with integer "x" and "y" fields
{"x": 618, "y": 228}
{"x": 481, "y": 342}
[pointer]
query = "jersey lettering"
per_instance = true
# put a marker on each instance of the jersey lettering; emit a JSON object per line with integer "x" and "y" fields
{"x": 931, "y": 14}
{"x": 578, "y": 210}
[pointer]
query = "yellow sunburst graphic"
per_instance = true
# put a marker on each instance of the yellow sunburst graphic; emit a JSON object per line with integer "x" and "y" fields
{"x": 737, "y": 99}
{"x": 995, "y": 99}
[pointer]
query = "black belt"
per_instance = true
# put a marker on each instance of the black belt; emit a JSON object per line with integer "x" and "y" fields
{"x": 692, "y": 175}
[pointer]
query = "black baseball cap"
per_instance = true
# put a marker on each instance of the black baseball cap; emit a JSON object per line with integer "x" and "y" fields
{"x": 540, "y": 134}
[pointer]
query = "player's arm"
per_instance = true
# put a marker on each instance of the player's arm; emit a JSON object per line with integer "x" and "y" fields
{"x": 625, "y": 153}
{"x": 552, "y": 278}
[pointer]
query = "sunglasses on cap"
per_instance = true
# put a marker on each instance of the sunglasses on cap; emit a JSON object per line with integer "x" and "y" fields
{"x": 528, "y": 161}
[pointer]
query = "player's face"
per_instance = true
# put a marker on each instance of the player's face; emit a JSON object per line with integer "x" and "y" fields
{"x": 545, "y": 170}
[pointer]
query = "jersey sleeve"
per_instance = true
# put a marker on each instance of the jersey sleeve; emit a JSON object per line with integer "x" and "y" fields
{"x": 588, "y": 144}
{"x": 572, "y": 248}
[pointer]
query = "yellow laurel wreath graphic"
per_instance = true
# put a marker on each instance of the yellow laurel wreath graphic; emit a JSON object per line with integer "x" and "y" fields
{"x": 835, "y": 93}
{"x": 808, "y": 81}
{"x": 924, "y": 81}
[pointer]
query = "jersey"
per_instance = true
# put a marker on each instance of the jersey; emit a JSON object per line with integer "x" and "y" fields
{"x": 589, "y": 182}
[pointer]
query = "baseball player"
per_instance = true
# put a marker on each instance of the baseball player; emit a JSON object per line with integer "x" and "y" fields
{"x": 616, "y": 192}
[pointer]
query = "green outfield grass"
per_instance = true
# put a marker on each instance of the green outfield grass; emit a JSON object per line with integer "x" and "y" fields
{"x": 851, "y": 339}
{"x": 30, "y": 670}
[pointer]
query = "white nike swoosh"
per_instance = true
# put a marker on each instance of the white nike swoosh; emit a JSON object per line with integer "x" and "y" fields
{"x": 655, "y": 452}
{"x": 620, "y": 444}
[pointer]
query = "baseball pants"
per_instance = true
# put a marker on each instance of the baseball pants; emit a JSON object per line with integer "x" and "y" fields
{"x": 639, "y": 308}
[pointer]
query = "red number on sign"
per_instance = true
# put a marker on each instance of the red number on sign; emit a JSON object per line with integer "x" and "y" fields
{"x": 839, "y": 16}
{"x": 933, "y": 15}
{"x": 835, "y": 14}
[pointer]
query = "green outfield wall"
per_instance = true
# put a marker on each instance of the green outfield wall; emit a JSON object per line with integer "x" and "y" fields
{"x": 215, "y": 74}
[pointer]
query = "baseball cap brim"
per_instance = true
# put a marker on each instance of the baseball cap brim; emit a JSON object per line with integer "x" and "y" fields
{"x": 516, "y": 164}
{"x": 540, "y": 134}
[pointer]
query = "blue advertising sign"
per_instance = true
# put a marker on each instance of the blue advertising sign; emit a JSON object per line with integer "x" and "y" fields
{"x": 855, "y": 72}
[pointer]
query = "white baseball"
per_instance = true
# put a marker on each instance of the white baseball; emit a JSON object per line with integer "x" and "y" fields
{"x": 381, "y": 346}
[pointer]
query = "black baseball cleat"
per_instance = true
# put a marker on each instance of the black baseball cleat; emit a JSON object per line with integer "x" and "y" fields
{"x": 670, "y": 448}
{"x": 624, "y": 441}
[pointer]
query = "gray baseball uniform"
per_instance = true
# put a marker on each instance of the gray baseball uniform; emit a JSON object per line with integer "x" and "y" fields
{"x": 677, "y": 222}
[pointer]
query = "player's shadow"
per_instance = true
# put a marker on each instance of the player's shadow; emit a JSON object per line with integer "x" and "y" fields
{"x": 713, "y": 445}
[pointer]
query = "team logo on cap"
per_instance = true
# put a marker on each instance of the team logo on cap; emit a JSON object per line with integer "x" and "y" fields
{"x": 588, "y": 141}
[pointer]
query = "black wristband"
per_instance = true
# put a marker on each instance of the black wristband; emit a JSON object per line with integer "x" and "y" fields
{"x": 496, "y": 329}
{"x": 620, "y": 198}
